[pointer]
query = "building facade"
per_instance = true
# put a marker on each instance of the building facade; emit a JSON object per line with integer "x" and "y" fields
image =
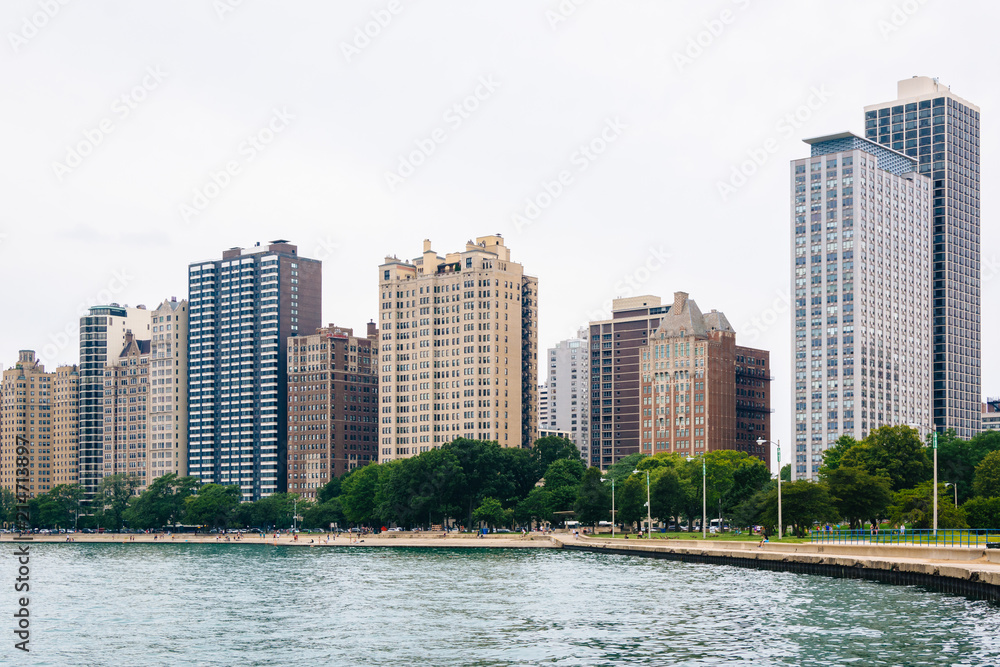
{"x": 861, "y": 249}
{"x": 940, "y": 130}
{"x": 242, "y": 309}
{"x": 102, "y": 337}
{"x": 459, "y": 350}
{"x": 991, "y": 415}
{"x": 543, "y": 407}
{"x": 615, "y": 377}
{"x": 568, "y": 389}
{"x": 332, "y": 405}
{"x": 700, "y": 391}
{"x": 168, "y": 391}
{"x": 41, "y": 407}
{"x": 126, "y": 407}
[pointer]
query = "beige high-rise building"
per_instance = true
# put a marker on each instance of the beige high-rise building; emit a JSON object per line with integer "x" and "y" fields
{"x": 40, "y": 407}
{"x": 66, "y": 425}
{"x": 168, "y": 391}
{"x": 459, "y": 349}
{"x": 126, "y": 404}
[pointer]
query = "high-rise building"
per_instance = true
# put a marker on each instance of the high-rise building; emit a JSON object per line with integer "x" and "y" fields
{"x": 543, "y": 406}
{"x": 701, "y": 391}
{"x": 168, "y": 391}
{"x": 941, "y": 131}
{"x": 126, "y": 406}
{"x": 66, "y": 425}
{"x": 459, "y": 349}
{"x": 332, "y": 405}
{"x": 568, "y": 388}
{"x": 40, "y": 407}
{"x": 991, "y": 414}
{"x": 102, "y": 337}
{"x": 242, "y": 309}
{"x": 861, "y": 251}
{"x": 615, "y": 346}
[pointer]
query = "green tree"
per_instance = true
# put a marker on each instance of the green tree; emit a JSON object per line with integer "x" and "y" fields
{"x": 112, "y": 499}
{"x": 329, "y": 490}
{"x": 894, "y": 451}
{"x": 786, "y": 472}
{"x": 982, "y": 513}
{"x": 321, "y": 515}
{"x": 916, "y": 507}
{"x": 214, "y": 505}
{"x": 62, "y": 505}
{"x": 802, "y": 504}
{"x": 750, "y": 476}
{"x": 593, "y": 499}
{"x": 667, "y": 493}
{"x": 986, "y": 483}
{"x": 8, "y": 506}
{"x": 536, "y": 506}
{"x": 491, "y": 512}
{"x": 358, "y": 494}
{"x": 958, "y": 458}
{"x": 551, "y": 448}
{"x": 623, "y": 469}
{"x": 858, "y": 495}
{"x": 833, "y": 455}
{"x": 631, "y": 499}
{"x": 162, "y": 503}
{"x": 562, "y": 480}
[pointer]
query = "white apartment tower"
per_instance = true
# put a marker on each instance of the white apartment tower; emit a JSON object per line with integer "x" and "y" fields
{"x": 861, "y": 256}
{"x": 459, "y": 345}
{"x": 568, "y": 388}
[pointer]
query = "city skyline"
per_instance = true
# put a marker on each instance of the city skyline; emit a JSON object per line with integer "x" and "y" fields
{"x": 623, "y": 219}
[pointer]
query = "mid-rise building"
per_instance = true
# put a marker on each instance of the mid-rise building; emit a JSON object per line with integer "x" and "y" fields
{"x": 168, "y": 391}
{"x": 701, "y": 391}
{"x": 991, "y": 414}
{"x": 38, "y": 406}
{"x": 102, "y": 338}
{"x": 459, "y": 349}
{"x": 242, "y": 309}
{"x": 332, "y": 405}
{"x": 861, "y": 258}
{"x": 66, "y": 425}
{"x": 615, "y": 348}
{"x": 568, "y": 388}
{"x": 940, "y": 131}
{"x": 543, "y": 406}
{"x": 126, "y": 406}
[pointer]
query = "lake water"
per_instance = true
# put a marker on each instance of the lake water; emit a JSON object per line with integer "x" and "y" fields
{"x": 172, "y": 604}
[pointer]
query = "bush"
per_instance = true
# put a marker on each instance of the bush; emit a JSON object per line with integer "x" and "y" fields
{"x": 982, "y": 513}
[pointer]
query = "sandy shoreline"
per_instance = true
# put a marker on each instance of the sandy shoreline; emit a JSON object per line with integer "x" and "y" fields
{"x": 431, "y": 540}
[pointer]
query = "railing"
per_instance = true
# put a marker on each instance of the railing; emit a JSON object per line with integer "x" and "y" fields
{"x": 943, "y": 537}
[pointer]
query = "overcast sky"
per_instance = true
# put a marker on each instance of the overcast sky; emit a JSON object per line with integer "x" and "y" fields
{"x": 594, "y": 136}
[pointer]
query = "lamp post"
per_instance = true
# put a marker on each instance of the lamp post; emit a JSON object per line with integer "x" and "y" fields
{"x": 954, "y": 486}
{"x": 704, "y": 496}
{"x": 604, "y": 479}
{"x": 935, "y": 487}
{"x": 761, "y": 441}
{"x": 649, "y": 507}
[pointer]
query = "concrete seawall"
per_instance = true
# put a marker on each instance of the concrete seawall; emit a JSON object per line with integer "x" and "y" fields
{"x": 962, "y": 571}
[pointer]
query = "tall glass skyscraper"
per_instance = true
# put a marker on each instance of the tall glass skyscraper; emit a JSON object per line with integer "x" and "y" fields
{"x": 242, "y": 310}
{"x": 941, "y": 130}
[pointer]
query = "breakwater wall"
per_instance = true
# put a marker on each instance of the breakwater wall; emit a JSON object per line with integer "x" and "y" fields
{"x": 968, "y": 572}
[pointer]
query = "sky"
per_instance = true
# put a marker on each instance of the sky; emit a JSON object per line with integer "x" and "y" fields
{"x": 607, "y": 142}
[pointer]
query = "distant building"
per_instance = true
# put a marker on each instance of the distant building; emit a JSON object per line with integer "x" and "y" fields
{"x": 332, "y": 405}
{"x": 861, "y": 264}
{"x": 168, "y": 387}
{"x": 554, "y": 433}
{"x": 568, "y": 389}
{"x": 102, "y": 337}
{"x": 242, "y": 310}
{"x": 126, "y": 407}
{"x": 543, "y": 406}
{"x": 40, "y": 407}
{"x": 701, "y": 391}
{"x": 615, "y": 346}
{"x": 459, "y": 349}
{"x": 991, "y": 414}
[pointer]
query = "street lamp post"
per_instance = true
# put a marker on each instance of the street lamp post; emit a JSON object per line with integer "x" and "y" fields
{"x": 935, "y": 487}
{"x": 954, "y": 486}
{"x": 649, "y": 508}
{"x": 761, "y": 441}
{"x": 604, "y": 479}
